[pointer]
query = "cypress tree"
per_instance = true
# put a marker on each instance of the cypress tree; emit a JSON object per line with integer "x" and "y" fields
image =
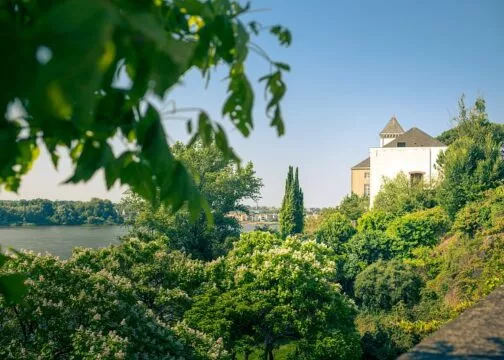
{"x": 298, "y": 205}
{"x": 291, "y": 215}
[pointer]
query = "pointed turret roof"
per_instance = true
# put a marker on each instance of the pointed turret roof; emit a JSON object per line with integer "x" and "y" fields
{"x": 392, "y": 127}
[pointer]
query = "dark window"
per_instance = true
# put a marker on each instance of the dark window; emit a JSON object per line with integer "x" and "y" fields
{"x": 401, "y": 144}
{"x": 416, "y": 178}
{"x": 366, "y": 190}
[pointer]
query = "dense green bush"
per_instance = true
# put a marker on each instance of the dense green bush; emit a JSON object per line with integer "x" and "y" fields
{"x": 485, "y": 216}
{"x": 337, "y": 345}
{"x": 362, "y": 250}
{"x": 374, "y": 220}
{"x": 354, "y": 206}
{"x": 469, "y": 168}
{"x": 421, "y": 228}
{"x": 335, "y": 230}
{"x": 399, "y": 196}
{"x": 384, "y": 284}
{"x": 371, "y": 246}
{"x": 382, "y": 337}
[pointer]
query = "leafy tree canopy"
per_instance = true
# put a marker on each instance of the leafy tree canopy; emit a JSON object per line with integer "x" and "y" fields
{"x": 223, "y": 183}
{"x": 374, "y": 220}
{"x": 354, "y": 206}
{"x": 335, "y": 230}
{"x": 398, "y": 196}
{"x": 421, "y": 228}
{"x": 384, "y": 284}
{"x": 269, "y": 290}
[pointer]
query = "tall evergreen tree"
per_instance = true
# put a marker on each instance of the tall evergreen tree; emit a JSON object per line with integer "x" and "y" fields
{"x": 298, "y": 205}
{"x": 292, "y": 212}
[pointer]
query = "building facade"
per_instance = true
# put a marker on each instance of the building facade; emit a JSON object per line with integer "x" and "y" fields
{"x": 413, "y": 153}
{"x": 361, "y": 178}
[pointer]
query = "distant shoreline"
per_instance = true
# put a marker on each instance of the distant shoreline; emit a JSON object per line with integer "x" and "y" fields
{"x": 23, "y": 226}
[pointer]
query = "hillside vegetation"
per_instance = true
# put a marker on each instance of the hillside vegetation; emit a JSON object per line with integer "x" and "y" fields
{"x": 356, "y": 284}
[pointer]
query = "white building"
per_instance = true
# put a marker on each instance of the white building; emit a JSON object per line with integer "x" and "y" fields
{"x": 412, "y": 152}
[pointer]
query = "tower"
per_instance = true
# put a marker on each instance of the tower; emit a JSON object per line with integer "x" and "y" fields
{"x": 391, "y": 131}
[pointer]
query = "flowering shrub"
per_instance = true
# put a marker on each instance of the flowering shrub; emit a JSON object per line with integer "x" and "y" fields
{"x": 118, "y": 302}
{"x": 270, "y": 290}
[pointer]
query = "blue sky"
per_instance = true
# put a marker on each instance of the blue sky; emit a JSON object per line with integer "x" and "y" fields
{"x": 354, "y": 65}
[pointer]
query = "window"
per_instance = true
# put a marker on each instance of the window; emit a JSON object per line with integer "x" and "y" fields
{"x": 366, "y": 175}
{"x": 416, "y": 177}
{"x": 366, "y": 190}
{"x": 401, "y": 144}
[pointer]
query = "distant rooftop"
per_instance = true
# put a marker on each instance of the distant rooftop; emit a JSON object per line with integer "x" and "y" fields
{"x": 414, "y": 137}
{"x": 364, "y": 164}
{"x": 392, "y": 127}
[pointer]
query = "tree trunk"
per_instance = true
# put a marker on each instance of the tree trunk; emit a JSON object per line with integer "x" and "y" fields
{"x": 270, "y": 354}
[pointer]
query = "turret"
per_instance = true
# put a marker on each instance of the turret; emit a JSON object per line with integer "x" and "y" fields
{"x": 391, "y": 131}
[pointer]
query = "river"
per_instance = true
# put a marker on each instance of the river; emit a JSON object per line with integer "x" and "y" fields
{"x": 60, "y": 240}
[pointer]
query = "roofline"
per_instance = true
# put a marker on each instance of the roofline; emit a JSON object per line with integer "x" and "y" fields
{"x": 408, "y": 147}
{"x": 361, "y": 168}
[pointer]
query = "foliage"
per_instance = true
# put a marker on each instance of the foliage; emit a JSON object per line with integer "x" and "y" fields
{"x": 385, "y": 284}
{"x": 312, "y": 223}
{"x": 335, "y": 230}
{"x": 268, "y": 290}
{"x": 473, "y": 162}
{"x": 473, "y": 123}
{"x": 291, "y": 217}
{"x": 421, "y": 228}
{"x": 469, "y": 168}
{"x": 354, "y": 206}
{"x": 374, "y": 220}
{"x": 484, "y": 216}
{"x": 46, "y": 212}
{"x": 398, "y": 196}
{"x": 463, "y": 270}
{"x": 366, "y": 248}
{"x": 80, "y": 97}
{"x": 383, "y": 337}
{"x": 338, "y": 346}
{"x": 11, "y": 283}
{"x": 118, "y": 302}
{"x": 224, "y": 184}
{"x": 84, "y": 73}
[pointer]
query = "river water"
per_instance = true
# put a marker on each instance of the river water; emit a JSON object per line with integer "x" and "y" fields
{"x": 60, "y": 240}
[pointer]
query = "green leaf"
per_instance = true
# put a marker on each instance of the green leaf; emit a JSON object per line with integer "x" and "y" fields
{"x": 242, "y": 40}
{"x": 284, "y": 35}
{"x": 12, "y": 287}
{"x": 277, "y": 122}
{"x": 224, "y": 31}
{"x": 205, "y": 129}
{"x": 254, "y": 27}
{"x": 282, "y": 66}
{"x": 95, "y": 155}
{"x": 79, "y": 36}
{"x": 240, "y": 102}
